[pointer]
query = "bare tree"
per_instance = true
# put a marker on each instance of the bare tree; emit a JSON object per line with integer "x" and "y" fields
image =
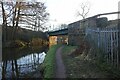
{"x": 83, "y": 10}
{"x": 31, "y": 13}
{"x": 35, "y": 14}
{"x": 4, "y": 23}
{"x": 8, "y": 15}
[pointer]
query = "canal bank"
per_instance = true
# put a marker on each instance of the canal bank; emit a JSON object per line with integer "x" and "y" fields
{"x": 48, "y": 66}
{"x": 79, "y": 64}
{"x": 74, "y": 64}
{"x": 22, "y": 62}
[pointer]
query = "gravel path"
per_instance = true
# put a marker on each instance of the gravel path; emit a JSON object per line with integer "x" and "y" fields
{"x": 60, "y": 68}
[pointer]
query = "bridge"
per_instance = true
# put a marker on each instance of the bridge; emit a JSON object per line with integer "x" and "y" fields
{"x": 75, "y": 30}
{"x": 58, "y": 32}
{"x": 58, "y": 36}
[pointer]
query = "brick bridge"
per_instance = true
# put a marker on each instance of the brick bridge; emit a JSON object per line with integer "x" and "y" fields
{"x": 58, "y": 36}
{"x": 75, "y": 31}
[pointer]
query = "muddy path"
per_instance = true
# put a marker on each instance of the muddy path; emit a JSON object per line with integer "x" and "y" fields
{"x": 60, "y": 68}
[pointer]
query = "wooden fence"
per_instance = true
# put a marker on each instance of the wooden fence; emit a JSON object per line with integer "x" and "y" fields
{"x": 106, "y": 41}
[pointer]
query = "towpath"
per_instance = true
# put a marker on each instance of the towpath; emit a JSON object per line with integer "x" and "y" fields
{"x": 60, "y": 68}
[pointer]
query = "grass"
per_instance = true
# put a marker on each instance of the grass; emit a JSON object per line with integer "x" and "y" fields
{"x": 69, "y": 49}
{"x": 108, "y": 68}
{"x": 69, "y": 61}
{"x": 81, "y": 67}
{"x": 49, "y": 63}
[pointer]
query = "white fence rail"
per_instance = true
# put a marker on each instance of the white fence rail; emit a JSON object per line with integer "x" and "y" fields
{"x": 106, "y": 40}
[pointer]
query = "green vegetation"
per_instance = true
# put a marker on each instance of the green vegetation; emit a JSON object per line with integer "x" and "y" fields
{"x": 24, "y": 37}
{"x": 108, "y": 68}
{"x": 81, "y": 66}
{"x": 70, "y": 63}
{"x": 49, "y": 63}
{"x": 38, "y": 41}
{"x": 69, "y": 49}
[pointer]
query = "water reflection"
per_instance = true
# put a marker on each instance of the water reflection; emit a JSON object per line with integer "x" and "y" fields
{"x": 18, "y": 62}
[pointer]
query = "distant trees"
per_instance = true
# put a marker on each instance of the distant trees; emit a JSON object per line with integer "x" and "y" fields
{"x": 63, "y": 26}
{"x": 31, "y": 14}
{"x": 34, "y": 14}
{"x": 59, "y": 27}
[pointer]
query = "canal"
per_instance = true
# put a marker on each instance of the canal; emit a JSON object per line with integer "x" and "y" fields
{"x": 21, "y": 62}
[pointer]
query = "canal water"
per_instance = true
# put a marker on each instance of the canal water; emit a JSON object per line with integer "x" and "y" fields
{"x": 20, "y": 62}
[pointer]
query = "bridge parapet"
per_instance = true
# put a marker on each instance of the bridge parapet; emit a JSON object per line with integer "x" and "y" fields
{"x": 58, "y": 32}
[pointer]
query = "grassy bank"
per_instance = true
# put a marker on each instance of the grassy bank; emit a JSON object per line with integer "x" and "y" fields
{"x": 23, "y": 37}
{"x": 49, "y": 63}
{"x": 80, "y": 66}
{"x": 21, "y": 43}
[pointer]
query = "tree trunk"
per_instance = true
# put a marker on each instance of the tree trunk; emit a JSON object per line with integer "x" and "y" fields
{"x": 4, "y": 25}
{"x": 16, "y": 19}
{"x": 14, "y": 15}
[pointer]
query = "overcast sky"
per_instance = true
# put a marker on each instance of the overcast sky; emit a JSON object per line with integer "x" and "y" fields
{"x": 64, "y": 11}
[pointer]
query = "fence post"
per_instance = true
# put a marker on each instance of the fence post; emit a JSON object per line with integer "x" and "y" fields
{"x": 108, "y": 40}
{"x": 114, "y": 46}
{"x": 111, "y": 46}
{"x": 117, "y": 48}
{"x": 98, "y": 37}
{"x": 105, "y": 46}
